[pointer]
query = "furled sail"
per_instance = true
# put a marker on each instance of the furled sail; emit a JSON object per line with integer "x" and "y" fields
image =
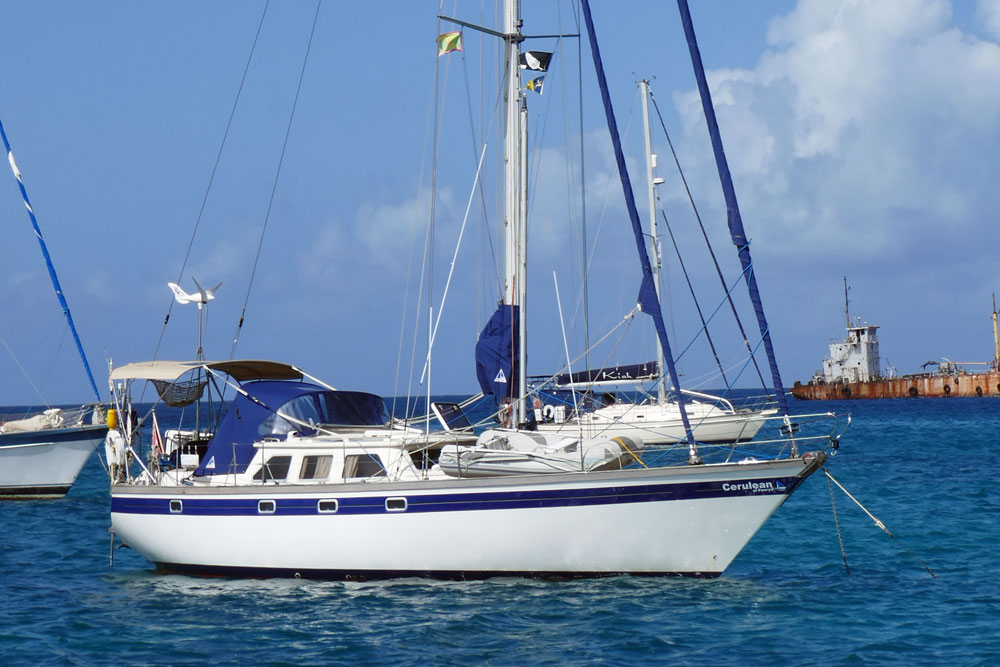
{"x": 649, "y": 302}
{"x": 735, "y": 220}
{"x": 496, "y": 353}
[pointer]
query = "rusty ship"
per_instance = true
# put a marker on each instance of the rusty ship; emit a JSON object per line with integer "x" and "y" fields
{"x": 853, "y": 370}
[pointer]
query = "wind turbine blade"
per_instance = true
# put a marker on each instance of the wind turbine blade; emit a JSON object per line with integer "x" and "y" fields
{"x": 180, "y": 295}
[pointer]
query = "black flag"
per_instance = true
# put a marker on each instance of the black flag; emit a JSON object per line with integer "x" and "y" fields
{"x": 536, "y": 60}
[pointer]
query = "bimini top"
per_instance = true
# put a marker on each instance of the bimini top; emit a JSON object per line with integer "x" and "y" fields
{"x": 263, "y": 416}
{"x": 241, "y": 370}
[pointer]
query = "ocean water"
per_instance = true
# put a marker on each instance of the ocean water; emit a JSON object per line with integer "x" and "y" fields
{"x": 925, "y": 467}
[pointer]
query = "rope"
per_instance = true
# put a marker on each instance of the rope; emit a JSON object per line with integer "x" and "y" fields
{"x": 274, "y": 185}
{"x": 877, "y": 521}
{"x": 621, "y": 441}
{"x": 836, "y": 522}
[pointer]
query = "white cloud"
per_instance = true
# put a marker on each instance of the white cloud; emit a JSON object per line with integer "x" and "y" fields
{"x": 988, "y": 13}
{"x": 859, "y": 130}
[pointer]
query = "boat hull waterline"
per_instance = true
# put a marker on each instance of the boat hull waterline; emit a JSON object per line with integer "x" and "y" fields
{"x": 44, "y": 464}
{"x": 689, "y": 521}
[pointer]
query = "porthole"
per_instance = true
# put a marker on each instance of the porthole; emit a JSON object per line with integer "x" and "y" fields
{"x": 327, "y": 506}
{"x": 395, "y": 504}
{"x": 176, "y": 506}
{"x": 266, "y": 506}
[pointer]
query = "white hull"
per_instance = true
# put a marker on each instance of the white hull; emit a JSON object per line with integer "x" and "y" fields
{"x": 643, "y": 423}
{"x": 42, "y": 464}
{"x": 690, "y": 520}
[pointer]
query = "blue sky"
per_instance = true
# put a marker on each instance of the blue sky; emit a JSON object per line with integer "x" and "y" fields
{"x": 862, "y": 136}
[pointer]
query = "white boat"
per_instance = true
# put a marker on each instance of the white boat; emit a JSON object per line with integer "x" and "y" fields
{"x": 281, "y": 490}
{"x": 291, "y": 485}
{"x": 42, "y": 455}
{"x": 657, "y": 419}
{"x": 712, "y": 419}
{"x": 43, "y": 452}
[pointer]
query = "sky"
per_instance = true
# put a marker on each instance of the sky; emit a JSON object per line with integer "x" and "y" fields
{"x": 862, "y": 137}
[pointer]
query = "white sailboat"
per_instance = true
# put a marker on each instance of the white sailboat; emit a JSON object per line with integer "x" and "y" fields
{"x": 302, "y": 480}
{"x": 656, "y": 420}
{"x": 43, "y": 452}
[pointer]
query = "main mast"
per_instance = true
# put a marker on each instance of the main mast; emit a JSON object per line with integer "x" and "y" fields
{"x": 515, "y": 224}
{"x": 651, "y": 183}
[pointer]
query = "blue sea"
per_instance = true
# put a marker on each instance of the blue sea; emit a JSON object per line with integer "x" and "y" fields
{"x": 927, "y": 468}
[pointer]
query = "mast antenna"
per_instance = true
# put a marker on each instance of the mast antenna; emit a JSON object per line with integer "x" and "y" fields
{"x": 847, "y": 304}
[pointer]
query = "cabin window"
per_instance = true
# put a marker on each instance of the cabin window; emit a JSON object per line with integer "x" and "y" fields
{"x": 176, "y": 506}
{"x": 328, "y": 506}
{"x": 266, "y": 506}
{"x": 315, "y": 467}
{"x": 395, "y": 504}
{"x": 363, "y": 465}
{"x": 275, "y": 469}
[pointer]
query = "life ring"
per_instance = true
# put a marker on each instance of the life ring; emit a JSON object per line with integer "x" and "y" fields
{"x": 549, "y": 413}
{"x": 913, "y": 392}
{"x": 946, "y": 389}
{"x": 979, "y": 391}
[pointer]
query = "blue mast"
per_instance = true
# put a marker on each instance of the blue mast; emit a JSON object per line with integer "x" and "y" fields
{"x": 736, "y": 231}
{"x": 48, "y": 262}
{"x": 649, "y": 303}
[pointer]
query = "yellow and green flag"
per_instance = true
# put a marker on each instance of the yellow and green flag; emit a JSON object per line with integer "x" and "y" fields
{"x": 448, "y": 42}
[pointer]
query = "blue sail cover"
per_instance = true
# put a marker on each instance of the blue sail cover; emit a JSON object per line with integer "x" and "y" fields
{"x": 623, "y": 374}
{"x": 736, "y": 230}
{"x": 250, "y": 419}
{"x": 496, "y": 353}
{"x": 649, "y": 303}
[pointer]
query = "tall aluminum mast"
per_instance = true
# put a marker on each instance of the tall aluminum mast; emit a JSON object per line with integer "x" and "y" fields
{"x": 651, "y": 183}
{"x": 515, "y": 227}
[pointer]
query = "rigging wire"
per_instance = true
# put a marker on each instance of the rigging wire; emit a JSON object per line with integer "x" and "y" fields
{"x": 274, "y": 185}
{"x": 426, "y": 270}
{"x": 211, "y": 179}
{"x": 697, "y": 216}
{"x": 583, "y": 192}
{"x": 611, "y": 183}
{"x": 23, "y": 371}
{"x": 697, "y": 305}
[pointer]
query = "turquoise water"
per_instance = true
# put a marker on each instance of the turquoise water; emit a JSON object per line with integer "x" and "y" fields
{"x": 925, "y": 467}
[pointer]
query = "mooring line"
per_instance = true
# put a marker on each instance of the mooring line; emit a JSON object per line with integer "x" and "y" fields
{"x": 836, "y": 522}
{"x": 878, "y": 522}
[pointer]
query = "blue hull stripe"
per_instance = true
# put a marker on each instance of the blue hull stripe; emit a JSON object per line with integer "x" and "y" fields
{"x": 422, "y": 502}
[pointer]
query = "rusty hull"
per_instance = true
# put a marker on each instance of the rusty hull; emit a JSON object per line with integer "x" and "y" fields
{"x": 929, "y": 385}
